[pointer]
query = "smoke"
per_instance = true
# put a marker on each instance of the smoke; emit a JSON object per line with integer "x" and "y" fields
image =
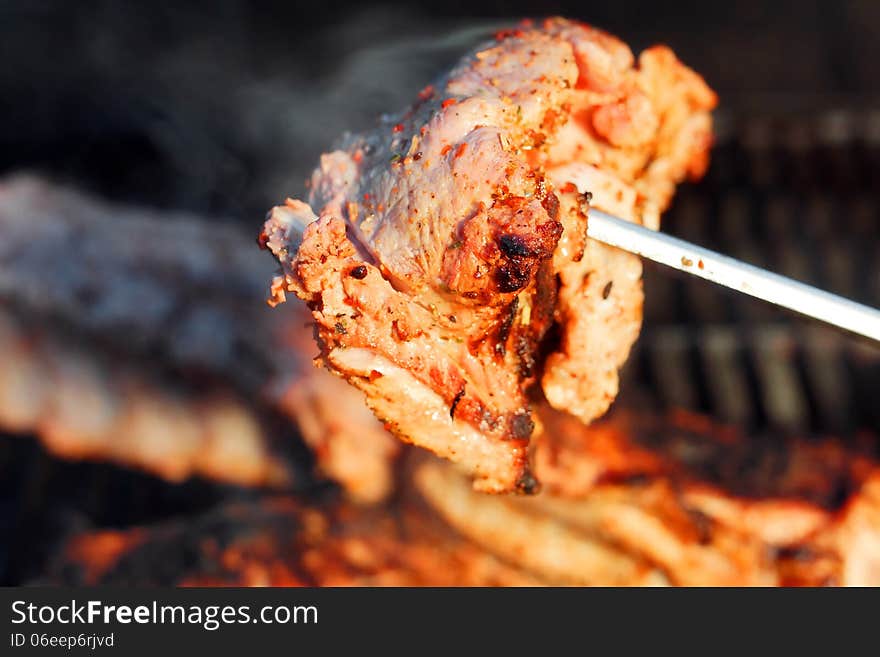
{"x": 222, "y": 113}
{"x": 225, "y": 111}
{"x": 294, "y": 121}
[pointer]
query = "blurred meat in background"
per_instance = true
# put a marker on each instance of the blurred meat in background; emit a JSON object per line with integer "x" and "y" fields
{"x": 166, "y": 424}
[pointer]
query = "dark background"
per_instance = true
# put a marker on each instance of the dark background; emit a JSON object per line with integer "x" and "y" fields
{"x": 224, "y": 106}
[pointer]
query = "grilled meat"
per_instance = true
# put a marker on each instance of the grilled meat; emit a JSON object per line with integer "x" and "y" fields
{"x": 684, "y": 501}
{"x": 622, "y": 535}
{"x": 654, "y": 511}
{"x": 444, "y": 254}
{"x": 139, "y": 337}
{"x": 349, "y": 445}
{"x": 281, "y": 542}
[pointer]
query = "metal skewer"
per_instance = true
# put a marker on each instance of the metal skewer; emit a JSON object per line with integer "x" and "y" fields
{"x": 740, "y": 276}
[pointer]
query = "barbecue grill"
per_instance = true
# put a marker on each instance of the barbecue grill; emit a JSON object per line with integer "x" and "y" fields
{"x": 792, "y": 190}
{"x": 772, "y": 192}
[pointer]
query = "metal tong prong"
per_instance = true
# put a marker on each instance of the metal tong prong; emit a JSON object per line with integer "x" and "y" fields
{"x": 737, "y": 275}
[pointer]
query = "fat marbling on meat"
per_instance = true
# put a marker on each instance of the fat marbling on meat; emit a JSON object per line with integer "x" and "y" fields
{"x": 444, "y": 254}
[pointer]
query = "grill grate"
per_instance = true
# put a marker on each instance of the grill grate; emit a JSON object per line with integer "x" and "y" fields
{"x": 795, "y": 194}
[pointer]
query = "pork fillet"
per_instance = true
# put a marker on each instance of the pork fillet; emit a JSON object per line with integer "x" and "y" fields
{"x": 444, "y": 254}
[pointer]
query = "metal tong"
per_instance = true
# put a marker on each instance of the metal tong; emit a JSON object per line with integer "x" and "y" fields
{"x": 684, "y": 256}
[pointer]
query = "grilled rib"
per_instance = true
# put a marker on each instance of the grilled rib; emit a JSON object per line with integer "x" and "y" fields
{"x": 140, "y": 337}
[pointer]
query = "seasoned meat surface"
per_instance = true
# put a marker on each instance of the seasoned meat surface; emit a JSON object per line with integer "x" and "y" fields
{"x": 444, "y": 255}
